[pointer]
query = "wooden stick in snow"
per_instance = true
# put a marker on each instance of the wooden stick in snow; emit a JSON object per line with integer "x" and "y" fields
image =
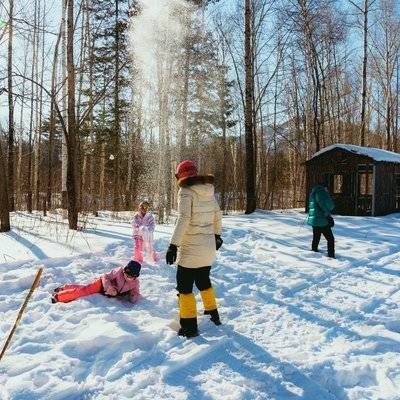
{"x": 35, "y": 284}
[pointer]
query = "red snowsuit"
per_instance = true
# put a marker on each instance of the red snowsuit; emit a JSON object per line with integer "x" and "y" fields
{"x": 114, "y": 279}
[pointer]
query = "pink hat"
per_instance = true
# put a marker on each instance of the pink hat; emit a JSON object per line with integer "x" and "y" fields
{"x": 185, "y": 169}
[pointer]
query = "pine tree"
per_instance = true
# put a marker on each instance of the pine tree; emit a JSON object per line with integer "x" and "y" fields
{"x": 110, "y": 59}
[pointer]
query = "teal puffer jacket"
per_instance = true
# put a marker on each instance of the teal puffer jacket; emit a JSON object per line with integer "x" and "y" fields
{"x": 320, "y": 206}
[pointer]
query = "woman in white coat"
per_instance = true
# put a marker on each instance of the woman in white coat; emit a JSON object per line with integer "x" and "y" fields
{"x": 196, "y": 237}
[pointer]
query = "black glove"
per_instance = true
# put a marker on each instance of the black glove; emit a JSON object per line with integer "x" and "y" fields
{"x": 170, "y": 257}
{"x": 218, "y": 241}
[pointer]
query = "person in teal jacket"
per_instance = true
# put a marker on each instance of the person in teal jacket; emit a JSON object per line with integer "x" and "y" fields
{"x": 320, "y": 206}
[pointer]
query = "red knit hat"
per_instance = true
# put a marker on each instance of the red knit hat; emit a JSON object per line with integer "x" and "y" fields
{"x": 185, "y": 169}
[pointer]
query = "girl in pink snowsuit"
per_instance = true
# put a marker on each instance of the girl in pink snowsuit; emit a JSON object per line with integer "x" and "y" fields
{"x": 118, "y": 282}
{"x": 143, "y": 225}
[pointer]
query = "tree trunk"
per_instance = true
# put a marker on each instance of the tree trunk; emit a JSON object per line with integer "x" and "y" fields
{"x": 161, "y": 153}
{"x": 102, "y": 194}
{"x": 19, "y": 182}
{"x": 38, "y": 202}
{"x": 11, "y": 126}
{"x": 388, "y": 118}
{"x": 64, "y": 150}
{"x": 34, "y": 63}
{"x": 71, "y": 138}
{"x": 249, "y": 129}
{"x": 81, "y": 143}
{"x": 117, "y": 121}
{"x": 4, "y": 212}
{"x": 52, "y": 125}
{"x": 185, "y": 96}
{"x": 364, "y": 75}
{"x": 93, "y": 192}
{"x": 222, "y": 115}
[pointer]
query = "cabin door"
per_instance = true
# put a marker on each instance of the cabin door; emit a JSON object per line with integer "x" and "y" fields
{"x": 341, "y": 189}
{"x": 364, "y": 189}
{"x": 397, "y": 189}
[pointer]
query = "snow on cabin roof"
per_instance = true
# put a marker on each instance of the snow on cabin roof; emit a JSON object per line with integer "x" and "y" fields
{"x": 372, "y": 152}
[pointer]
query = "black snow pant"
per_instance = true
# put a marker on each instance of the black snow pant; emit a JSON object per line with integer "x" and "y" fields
{"x": 327, "y": 232}
{"x": 185, "y": 277}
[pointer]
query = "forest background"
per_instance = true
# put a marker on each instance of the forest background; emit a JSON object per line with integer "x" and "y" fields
{"x": 100, "y": 100}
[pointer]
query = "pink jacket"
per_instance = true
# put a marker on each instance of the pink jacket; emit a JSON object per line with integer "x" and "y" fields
{"x": 139, "y": 222}
{"x": 117, "y": 280}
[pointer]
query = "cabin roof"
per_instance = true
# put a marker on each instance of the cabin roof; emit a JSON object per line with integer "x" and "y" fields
{"x": 372, "y": 152}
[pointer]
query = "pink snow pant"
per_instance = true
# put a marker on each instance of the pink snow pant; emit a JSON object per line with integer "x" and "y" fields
{"x": 140, "y": 245}
{"x": 138, "y": 253}
{"x": 69, "y": 293}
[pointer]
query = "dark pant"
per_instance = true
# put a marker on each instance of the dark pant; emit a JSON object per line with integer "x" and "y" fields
{"x": 185, "y": 277}
{"x": 327, "y": 232}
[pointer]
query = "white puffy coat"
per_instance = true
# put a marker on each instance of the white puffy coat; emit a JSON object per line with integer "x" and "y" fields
{"x": 199, "y": 220}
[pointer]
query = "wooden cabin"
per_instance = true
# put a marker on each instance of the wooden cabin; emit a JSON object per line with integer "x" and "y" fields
{"x": 361, "y": 180}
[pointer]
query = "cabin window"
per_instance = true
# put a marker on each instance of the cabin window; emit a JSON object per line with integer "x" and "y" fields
{"x": 365, "y": 174}
{"x": 365, "y": 183}
{"x": 337, "y": 184}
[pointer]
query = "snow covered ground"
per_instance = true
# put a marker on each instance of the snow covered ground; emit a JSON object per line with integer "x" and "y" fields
{"x": 295, "y": 323}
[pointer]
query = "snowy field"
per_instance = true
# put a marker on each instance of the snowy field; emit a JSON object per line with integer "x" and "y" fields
{"x": 296, "y": 325}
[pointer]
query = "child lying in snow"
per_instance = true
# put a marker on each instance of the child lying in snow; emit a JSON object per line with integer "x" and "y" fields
{"x": 118, "y": 282}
